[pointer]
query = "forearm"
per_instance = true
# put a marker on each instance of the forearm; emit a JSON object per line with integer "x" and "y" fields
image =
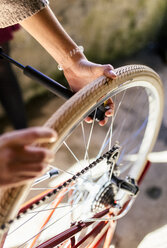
{"x": 46, "y": 29}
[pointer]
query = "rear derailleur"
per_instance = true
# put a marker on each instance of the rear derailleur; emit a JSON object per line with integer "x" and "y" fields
{"x": 107, "y": 196}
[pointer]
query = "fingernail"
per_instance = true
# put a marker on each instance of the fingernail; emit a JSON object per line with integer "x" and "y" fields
{"x": 113, "y": 74}
{"x": 52, "y": 139}
{"x": 109, "y": 113}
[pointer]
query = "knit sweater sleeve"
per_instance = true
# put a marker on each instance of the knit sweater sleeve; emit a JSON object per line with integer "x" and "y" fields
{"x": 14, "y": 11}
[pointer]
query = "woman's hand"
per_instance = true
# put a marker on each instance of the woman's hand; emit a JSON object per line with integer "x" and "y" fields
{"x": 82, "y": 73}
{"x": 108, "y": 113}
{"x": 20, "y": 159}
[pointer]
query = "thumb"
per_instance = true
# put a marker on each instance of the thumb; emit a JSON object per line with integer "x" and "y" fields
{"x": 109, "y": 72}
{"x": 29, "y": 136}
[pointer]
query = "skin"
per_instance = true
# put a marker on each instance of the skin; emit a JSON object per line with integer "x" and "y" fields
{"x": 20, "y": 159}
{"x": 77, "y": 69}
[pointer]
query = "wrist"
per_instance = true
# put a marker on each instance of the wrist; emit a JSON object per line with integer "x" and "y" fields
{"x": 72, "y": 57}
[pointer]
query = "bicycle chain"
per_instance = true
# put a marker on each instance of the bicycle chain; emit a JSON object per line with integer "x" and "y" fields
{"x": 107, "y": 155}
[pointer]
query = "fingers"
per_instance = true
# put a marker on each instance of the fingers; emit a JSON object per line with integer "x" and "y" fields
{"x": 28, "y": 160}
{"x": 28, "y": 136}
{"x": 108, "y": 71}
{"x": 99, "y": 70}
{"x": 108, "y": 113}
{"x": 29, "y": 154}
{"x": 37, "y": 154}
{"x": 29, "y": 169}
{"x": 17, "y": 181}
{"x": 24, "y": 164}
{"x": 20, "y": 160}
{"x": 88, "y": 119}
{"x": 103, "y": 122}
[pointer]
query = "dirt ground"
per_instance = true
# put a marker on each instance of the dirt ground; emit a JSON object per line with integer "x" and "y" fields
{"x": 148, "y": 215}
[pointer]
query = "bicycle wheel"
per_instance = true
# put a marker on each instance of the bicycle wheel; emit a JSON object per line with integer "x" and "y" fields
{"x": 92, "y": 161}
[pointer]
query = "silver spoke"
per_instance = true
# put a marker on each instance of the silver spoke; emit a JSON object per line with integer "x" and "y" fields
{"x": 72, "y": 153}
{"x": 111, "y": 133}
{"x": 105, "y": 142}
{"x": 90, "y": 135}
{"x": 110, "y": 130}
{"x": 83, "y": 134}
{"x": 49, "y": 209}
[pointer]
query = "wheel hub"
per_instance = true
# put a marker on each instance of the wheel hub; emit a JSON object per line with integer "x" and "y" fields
{"x": 105, "y": 197}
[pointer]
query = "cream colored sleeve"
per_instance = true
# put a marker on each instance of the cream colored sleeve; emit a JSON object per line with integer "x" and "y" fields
{"x": 14, "y": 11}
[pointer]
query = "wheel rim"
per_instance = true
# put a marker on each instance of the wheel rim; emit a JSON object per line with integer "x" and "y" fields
{"x": 151, "y": 124}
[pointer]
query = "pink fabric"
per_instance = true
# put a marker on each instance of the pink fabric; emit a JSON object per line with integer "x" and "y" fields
{"x": 6, "y": 34}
